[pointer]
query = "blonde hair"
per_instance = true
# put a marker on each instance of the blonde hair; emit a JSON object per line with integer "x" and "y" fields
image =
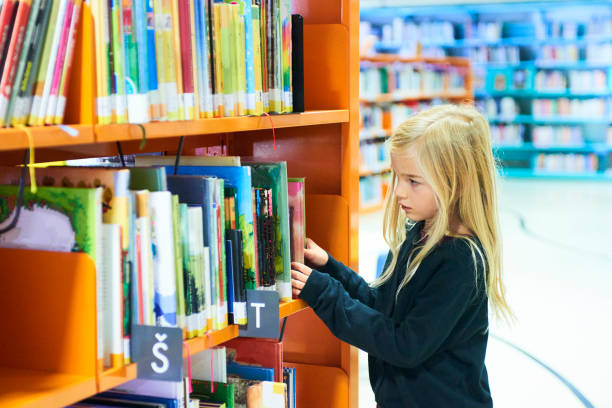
{"x": 453, "y": 150}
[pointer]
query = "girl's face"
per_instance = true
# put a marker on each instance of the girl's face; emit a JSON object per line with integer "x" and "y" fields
{"x": 414, "y": 195}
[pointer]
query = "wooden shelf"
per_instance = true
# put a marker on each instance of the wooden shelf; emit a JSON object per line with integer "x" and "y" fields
{"x": 289, "y": 308}
{"x": 46, "y": 136}
{"x": 116, "y": 133}
{"x": 117, "y": 376}
{"x": 30, "y": 388}
{"x": 372, "y": 208}
{"x": 374, "y": 173}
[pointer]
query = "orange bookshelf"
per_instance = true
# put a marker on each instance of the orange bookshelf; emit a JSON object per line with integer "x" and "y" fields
{"x": 49, "y": 358}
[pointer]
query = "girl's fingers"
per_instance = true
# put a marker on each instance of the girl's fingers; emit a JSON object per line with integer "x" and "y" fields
{"x": 301, "y": 268}
{"x": 296, "y": 275}
{"x": 297, "y": 284}
{"x": 296, "y": 292}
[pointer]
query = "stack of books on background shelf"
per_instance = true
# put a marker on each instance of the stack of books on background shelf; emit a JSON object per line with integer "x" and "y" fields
{"x": 541, "y": 75}
{"x": 170, "y": 250}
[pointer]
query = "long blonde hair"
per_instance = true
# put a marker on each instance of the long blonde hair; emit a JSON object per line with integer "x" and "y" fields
{"x": 453, "y": 150}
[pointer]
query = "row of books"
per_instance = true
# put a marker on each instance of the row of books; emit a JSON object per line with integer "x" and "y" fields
{"x": 508, "y": 135}
{"x": 580, "y": 108}
{"x": 191, "y": 59}
{"x": 505, "y": 107}
{"x": 171, "y": 250}
{"x": 575, "y": 81}
{"x": 36, "y": 46}
{"x": 557, "y": 136}
{"x": 494, "y": 54}
{"x": 560, "y": 53}
{"x": 374, "y": 157}
{"x": 377, "y": 120}
{"x": 598, "y": 53}
{"x": 404, "y": 80}
{"x": 371, "y": 189}
{"x": 566, "y": 163}
{"x": 241, "y": 373}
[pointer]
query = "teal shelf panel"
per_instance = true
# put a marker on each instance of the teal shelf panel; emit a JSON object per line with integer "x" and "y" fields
{"x": 535, "y": 174}
{"x": 561, "y": 94}
{"x": 552, "y": 120}
{"x": 530, "y": 148}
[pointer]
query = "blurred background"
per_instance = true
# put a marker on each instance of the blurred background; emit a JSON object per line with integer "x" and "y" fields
{"x": 541, "y": 73}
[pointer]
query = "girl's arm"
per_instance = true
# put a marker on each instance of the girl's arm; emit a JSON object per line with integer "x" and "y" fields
{"x": 354, "y": 284}
{"x": 438, "y": 308}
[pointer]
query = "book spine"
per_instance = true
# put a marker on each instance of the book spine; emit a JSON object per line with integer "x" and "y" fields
{"x": 117, "y": 44}
{"x": 49, "y": 112}
{"x": 194, "y": 59}
{"x": 203, "y": 56}
{"x": 285, "y": 14}
{"x": 153, "y": 90}
{"x": 112, "y": 297}
{"x": 226, "y": 48}
{"x": 257, "y": 61}
{"x": 6, "y": 15}
{"x": 238, "y": 27}
{"x": 187, "y": 61}
{"x": 189, "y": 281}
{"x": 217, "y": 63}
{"x": 12, "y": 56}
{"x": 137, "y": 103}
{"x": 43, "y": 86}
{"x": 177, "y": 53}
{"x": 63, "y": 88}
{"x": 145, "y": 259}
{"x": 178, "y": 264}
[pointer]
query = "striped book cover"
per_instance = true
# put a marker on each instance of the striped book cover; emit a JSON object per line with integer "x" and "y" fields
{"x": 151, "y": 63}
{"x": 184, "y": 20}
{"x": 177, "y": 54}
{"x": 118, "y": 72}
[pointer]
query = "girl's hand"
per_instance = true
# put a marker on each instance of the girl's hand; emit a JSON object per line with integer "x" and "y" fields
{"x": 314, "y": 254}
{"x": 299, "y": 276}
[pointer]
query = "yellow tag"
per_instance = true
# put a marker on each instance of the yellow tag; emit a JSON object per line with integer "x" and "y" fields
{"x": 31, "y": 164}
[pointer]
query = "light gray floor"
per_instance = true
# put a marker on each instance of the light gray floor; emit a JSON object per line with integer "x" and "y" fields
{"x": 557, "y": 240}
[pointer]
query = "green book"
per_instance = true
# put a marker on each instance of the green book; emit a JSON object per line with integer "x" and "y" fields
{"x": 223, "y": 392}
{"x": 148, "y": 178}
{"x": 178, "y": 263}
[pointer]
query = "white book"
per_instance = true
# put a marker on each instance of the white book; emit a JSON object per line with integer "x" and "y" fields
{"x": 144, "y": 256}
{"x": 202, "y": 362}
{"x": 164, "y": 277}
{"x": 112, "y": 298}
{"x": 196, "y": 252}
{"x": 144, "y": 161}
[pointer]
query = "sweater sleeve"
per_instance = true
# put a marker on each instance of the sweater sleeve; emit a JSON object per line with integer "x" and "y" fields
{"x": 355, "y": 285}
{"x": 438, "y": 308}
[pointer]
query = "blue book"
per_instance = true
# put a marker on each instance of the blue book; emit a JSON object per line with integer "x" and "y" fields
{"x": 229, "y": 267}
{"x": 152, "y": 84}
{"x": 248, "y": 372}
{"x": 166, "y": 402}
{"x": 238, "y": 177}
{"x": 139, "y": 27}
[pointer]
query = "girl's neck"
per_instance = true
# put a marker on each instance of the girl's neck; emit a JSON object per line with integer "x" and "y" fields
{"x": 456, "y": 228}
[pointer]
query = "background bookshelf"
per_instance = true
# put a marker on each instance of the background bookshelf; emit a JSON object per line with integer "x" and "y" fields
{"x": 50, "y": 357}
{"x": 391, "y": 89}
{"x": 541, "y": 75}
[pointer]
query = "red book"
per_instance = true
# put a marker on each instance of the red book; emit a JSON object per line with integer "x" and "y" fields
{"x": 261, "y": 352}
{"x": 6, "y": 23}
{"x": 186, "y": 57}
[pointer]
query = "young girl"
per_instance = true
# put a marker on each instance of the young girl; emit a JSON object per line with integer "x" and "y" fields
{"x": 424, "y": 322}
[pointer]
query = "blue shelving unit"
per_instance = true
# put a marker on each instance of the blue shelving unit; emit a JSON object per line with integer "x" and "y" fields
{"x": 535, "y": 174}
{"x": 542, "y": 92}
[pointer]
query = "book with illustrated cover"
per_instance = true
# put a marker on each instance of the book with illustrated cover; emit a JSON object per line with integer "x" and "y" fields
{"x": 274, "y": 176}
{"x": 144, "y": 255}
{"x": 297, "y": 218}
{"x": 214, "y": 392}
{"x": 178, "y": 264}
{"x": 240, "y": 179}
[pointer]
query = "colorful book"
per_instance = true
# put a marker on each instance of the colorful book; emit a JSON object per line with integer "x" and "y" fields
{"x": 104, "y": 110}
{"x": 240, "y": 314}
{"x": 205, "y": 96}
{"x": 274, "y": 176}
{"x": 257, "y": 60}
{"x": 119, "y": 96}
{"x": 186, "y": 56}
{"x": 257, "y": 352}
{"x": 245, "y": 50}
{"x": 148, "y": 178}
{"x": 217, "y": 60}
{"x": 6, "y": 25}
{"x": 178, "y": 264}
{"x": 152, "y": 63}
{"x": 297, "y": 218}
{"x": 200, "y": 265}
{"x": 177, "y": 54}
{"x": 12, "y": 56}
{"x": 239, "y": 178}
{"x": 166, "y": 68}
{"x": 19, "y": 104}
{"x": 285, "y": 27}
{"x": 214, "y": 392}
{"x": 134, "y": 53}
{"x": 190, "y": 284}
{"x": 164, "y": 276}
{"x": 238, "y": 59}
{"x": 144, "y": 249}
{"x": 226, "y": 56}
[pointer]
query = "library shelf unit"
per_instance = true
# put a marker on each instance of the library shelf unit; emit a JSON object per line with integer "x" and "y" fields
{"x": 387, "y": 102}
{"x": 539, "y": 56}
{"x": 49, "y": 358}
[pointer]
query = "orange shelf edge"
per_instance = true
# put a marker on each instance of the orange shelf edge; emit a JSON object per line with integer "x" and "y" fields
{"x": 45, "y": 136}
{"x": 31, "y": 388}
{"x": 154, "y": 130}
{"x": 116, "y": 376}
{"x": 289, "y": 308}
{"x": 388, "y": 98}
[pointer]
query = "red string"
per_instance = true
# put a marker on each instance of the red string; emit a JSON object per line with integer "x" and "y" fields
{"x": 188, "y": 366}
{"x": 273, "y": 130}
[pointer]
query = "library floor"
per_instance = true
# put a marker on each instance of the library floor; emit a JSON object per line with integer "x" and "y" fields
{"x": 558, "y": 275}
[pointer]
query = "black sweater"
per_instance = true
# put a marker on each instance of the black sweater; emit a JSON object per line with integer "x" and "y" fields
{"x": 427, "y": 349}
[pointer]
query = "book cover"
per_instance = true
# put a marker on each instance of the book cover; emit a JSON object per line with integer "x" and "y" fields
{"x": 297, "y": 218}
{"x": 209, "y": 365}
{"x": 166, "y": 68}
{"x": 164, "y": 276}
{"x": 266, "y": 394}
{"x": 239, "y": 178}
{"x": 200, "y": 267}
{"x": 226, "y": 50}
{"x": 19, "y": 105}
{"x": 99, "y": 10}
{"x": 6, "y": 25}
{"x": 191, "y": 293}
{"x": 246, "y": 54}
{"x": 274, "y": 176}
{"x": 140, "y": 26}
{"x": 285, "y": 27}
{"x": 12, "y": 56}
{"x": 257, "y": 352}
{"x": 215, "y": 392}
{"x": 216, "y": 58}
{"x": 188, "y": 160}
{"x": 144, "y": 254}
{"x": 257, "y": 60}
{"x": 203, "y": 46}
{"x": 119, "y": 97}
{"x": 148, "y": 178}
{"x": 133, "y": 33}
{"x": 297, "y": 62}
{"x": 178, "y": 264}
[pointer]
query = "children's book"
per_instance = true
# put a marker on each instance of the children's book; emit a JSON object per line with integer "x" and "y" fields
{"x": 214, "y": 392}
{"x": 178, "y": 264}
{"x": 112, "y": 296}
{"x": 209, "y": 365}
{"x": 250, "y": 372}
{"x": 297, "y": 218}
{"x": 257, "y": 352}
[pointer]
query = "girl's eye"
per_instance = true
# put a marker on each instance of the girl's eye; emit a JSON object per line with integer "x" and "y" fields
{"x": 414, "y": 182}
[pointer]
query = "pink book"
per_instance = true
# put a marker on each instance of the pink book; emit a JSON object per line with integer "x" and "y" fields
{"x": 59, "y": 63}
{"x": 297, "y": 218}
